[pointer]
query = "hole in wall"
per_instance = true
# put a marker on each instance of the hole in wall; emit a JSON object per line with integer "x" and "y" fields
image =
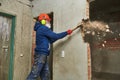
{"x": 0, "y": 4}
{"x": 105, "y": 54}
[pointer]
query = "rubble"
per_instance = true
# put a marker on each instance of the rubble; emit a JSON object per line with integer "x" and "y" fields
{"x": 96, "y": 31}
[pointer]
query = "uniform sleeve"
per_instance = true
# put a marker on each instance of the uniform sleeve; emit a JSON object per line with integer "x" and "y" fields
{"x": 54, "y": 36}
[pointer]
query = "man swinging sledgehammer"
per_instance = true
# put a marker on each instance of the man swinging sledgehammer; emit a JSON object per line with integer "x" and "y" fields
{"x": 44, "y": 37}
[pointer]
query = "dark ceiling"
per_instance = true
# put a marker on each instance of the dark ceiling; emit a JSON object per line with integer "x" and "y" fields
{"x": 105, "y": 10}
{"x": 105, "y": 4}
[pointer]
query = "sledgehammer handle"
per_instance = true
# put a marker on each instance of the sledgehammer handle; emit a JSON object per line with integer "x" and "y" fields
{"x": 76, "y": 28}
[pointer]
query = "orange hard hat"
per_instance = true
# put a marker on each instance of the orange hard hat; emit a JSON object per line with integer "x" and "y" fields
{"x": 43, "y": 16}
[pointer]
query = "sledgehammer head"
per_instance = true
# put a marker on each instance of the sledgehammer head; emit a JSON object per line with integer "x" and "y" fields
{"x": 80, "y": 25}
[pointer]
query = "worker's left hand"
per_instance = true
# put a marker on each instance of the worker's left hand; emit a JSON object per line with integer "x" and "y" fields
{"x": 69, "y": 31}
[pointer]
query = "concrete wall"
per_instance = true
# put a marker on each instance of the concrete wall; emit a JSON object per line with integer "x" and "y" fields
{"x": 67, "y": 13}
{"x": 23, "y": 31}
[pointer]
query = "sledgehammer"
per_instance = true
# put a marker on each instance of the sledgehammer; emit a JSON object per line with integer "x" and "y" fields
{"x": 80, "y": 25}
{"x": 77, "y": 27}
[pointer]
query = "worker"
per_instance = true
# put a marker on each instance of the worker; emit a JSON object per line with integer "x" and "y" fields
{"x": 44, "y": 37}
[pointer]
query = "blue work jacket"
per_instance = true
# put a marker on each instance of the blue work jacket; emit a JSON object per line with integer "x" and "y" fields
{"x": 45, "y": 37}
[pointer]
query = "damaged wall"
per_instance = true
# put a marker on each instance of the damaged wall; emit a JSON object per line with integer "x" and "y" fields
{"x": 67, "y": 14}
{"x": 22, "y": 11}
{"x": 105, "y": 53}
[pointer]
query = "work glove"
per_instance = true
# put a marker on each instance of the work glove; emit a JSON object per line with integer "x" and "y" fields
{"x": 69, "y": 31}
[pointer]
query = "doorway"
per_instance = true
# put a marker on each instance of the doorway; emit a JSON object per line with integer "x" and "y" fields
{"x": 105, "y": 54}
{"x": 6, "y": 46}
{"x": 51, "y": 14}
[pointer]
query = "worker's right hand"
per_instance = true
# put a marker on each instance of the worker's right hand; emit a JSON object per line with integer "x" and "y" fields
{"x": 69, "y": 31}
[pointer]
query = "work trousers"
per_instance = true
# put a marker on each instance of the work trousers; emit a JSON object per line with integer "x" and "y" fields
{"x": 40, "y": 68}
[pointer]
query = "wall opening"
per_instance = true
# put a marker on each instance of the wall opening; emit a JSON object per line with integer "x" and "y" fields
{"x": 0, "y": 4}
{"x": 105, "y": 53}
{"x": 51, "y": 47}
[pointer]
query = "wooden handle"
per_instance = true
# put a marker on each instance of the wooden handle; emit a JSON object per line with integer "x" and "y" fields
{"x": 76, "y": 28}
